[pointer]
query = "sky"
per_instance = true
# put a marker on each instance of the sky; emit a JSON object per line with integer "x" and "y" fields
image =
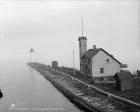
{"x": 52, "y": 28}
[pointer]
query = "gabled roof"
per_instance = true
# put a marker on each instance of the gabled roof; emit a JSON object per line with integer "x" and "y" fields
{"x": 111, "y": 56}
{"x": 92, "y": 52}
{"x": 123, "y": 75}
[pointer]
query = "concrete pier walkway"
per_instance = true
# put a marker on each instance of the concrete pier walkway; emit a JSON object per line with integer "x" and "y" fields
{"x": 87, "y": 95}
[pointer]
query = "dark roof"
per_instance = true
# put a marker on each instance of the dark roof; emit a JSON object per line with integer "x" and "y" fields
{"x": 92, "y": 52}
{"x": 124, "y": 75}
{"x": 54, "y": 62}
{"x": 82, "y": 38}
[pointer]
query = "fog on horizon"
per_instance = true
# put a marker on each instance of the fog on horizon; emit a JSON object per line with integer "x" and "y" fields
{"x": 52, "y": 29}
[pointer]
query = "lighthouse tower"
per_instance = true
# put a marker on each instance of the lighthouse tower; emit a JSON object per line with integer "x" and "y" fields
{"x": 82, "y": 46}
{"x": 82, "y": 50}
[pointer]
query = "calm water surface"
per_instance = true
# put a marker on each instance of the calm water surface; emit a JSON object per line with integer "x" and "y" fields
{"x": 25, "y": 90}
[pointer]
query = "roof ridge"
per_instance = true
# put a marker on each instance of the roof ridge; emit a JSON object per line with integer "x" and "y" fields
{"x": 92, "y": 52}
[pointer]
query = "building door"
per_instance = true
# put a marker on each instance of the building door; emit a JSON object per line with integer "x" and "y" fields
{"x": 86, "y": 69}
{"x": 118, "y": 84}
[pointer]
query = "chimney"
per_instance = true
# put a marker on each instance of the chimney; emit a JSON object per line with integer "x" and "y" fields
{"x": 94, "y": 46}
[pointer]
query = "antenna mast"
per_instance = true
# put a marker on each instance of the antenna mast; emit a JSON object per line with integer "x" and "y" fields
{"x": 82, "y": 24}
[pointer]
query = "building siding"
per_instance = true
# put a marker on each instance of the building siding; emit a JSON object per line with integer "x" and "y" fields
{"x": 126, "y": 85}
{"x": 109, "y": 68}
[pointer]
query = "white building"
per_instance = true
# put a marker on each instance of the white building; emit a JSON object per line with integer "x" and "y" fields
{"x": 97, "y": 62}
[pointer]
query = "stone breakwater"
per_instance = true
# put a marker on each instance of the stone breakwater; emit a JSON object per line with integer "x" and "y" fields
{"x": 84, "y": 97}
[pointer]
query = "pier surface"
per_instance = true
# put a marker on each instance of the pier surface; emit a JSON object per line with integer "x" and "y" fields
{"x": 83, "y": 94}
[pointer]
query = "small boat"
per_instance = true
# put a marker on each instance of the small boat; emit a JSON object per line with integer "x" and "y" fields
{"x": 1, "y": 95}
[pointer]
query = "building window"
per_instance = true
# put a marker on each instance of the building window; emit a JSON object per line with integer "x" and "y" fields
{"x": 107, "y": 60}
{"x": 101, "y": 70}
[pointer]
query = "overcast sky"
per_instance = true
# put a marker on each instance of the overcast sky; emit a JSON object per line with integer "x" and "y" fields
{"x": 52, "y": 28}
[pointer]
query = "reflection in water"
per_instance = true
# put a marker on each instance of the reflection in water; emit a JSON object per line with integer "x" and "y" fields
{"x": 25, "y": 90}
{"x": 32, "y": 75}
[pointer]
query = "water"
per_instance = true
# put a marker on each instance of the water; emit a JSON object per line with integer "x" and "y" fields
{"x": 25, "y": 90}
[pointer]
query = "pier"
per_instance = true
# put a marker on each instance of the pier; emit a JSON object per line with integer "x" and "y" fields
{"x": 82, "y": 94}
